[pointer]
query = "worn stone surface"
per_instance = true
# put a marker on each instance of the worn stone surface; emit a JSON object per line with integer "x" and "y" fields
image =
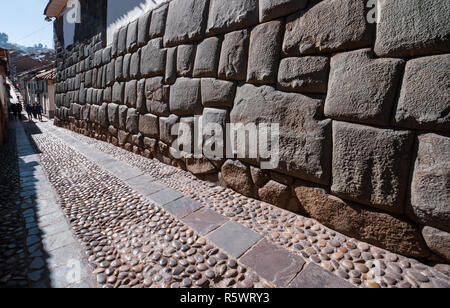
{"x": 273, "y": 263}
{"x": 204, "y": 221}
{"x": 207, "y": 58}
{"x": 103, "y": 115}
{"x": 397, "y": 36}
{"x": 113, "y": 114}
{"x": 118, "y": 92}
{"x": 132, "y": 36}
{"x": 217, "y": 93}
{"x": 264, "y": 52}
{"x": 126, "y": 66}
{"x": 171, "y": 66}
{"x": 185, "y": 59}
{"x": 313, "y": 276}
{"x": 227, "y": 16}
{"x": 307, "y": 74}
{"x": 328, "y": 26}
{"x": 158, "y": 22}
{"x": 165, "y": 128}
{"x": 234, "y": 55}
{"x": 186, "y": 21}
{"x": 135, "y": 63}
{"x": 141, "y": 100}
{"x": 131, "y": 93}
{"x": 143, "y": 29}
{"x": 153, "y": 59}
{"x": 438, "y": 241}
{"x": 132, "y": 124}
{"x": 123, "y": 111}
{"x": 275, "y": 193}
{"x": 424, "y": 101}
{"x": 199, "y": 165}
{"x": 372, "y": 226}
{"x": 118, "y": 69}
{"x": 185, "y": 97}
{"x": 271, "y": 9}
{"x": 149, "y": 125}
{"x": 371, "y": 165}
{"x": 157, "y": 96}
{"x": 122, "y": 41}
{"x": 371, "y": 101}
{"x": 430, "y": 185}
{"x": 305, "y": 142}
{"x": 237, "y": 176}
{"x": 259, "y": 177}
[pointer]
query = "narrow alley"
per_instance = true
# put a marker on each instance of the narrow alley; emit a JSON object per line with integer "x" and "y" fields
{"x": 72, "y": 219}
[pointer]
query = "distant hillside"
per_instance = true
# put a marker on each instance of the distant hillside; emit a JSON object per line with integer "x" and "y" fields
{"x": 4, "y": 43}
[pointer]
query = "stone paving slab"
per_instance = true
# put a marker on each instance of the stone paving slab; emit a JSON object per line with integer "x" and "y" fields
{"x": 145, "y": 185}
{"x": 205, "y": 221}
{"x": 182, "y": 207}
{"x": 234, "y": 238}
{"x": 165, "y": 196}
{"x": 273, "y": 263}
{"x": 314, "y": 276}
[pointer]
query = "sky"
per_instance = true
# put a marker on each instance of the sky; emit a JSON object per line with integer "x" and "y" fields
{"x": 23, "y": 21}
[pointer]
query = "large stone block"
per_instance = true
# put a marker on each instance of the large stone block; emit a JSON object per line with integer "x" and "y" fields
{"x": 275, "y": 193}
{"x": 165, "y": 128}
{"x": 153, "y": 59}
{"x": 131, "y": 93}
{"x": 438, "y": 241}
{"x": 158, "y": 22}
{"x": 412, "y": 28}
{"x": 307, "y": 74}
{"x": 185, "y": 97}
{"x": 185, "y": 60}
{"x": 132, "y": 36}
{"x": 149, "y": 125}
{"x": 132, "y": 124}
{"x": 237, "y": 176}
{"x": 231, "y": 15}
{"x": 118, "y": 92}
{"x": 207, "y": 58}
{"x": 424, "y": 101}
{"x": 113, "y": 114}
{"x": 143, "y": 28}
{"x": 126, "y": 67}
{"x": 264, "y": 52}
{"x": 122, "y": 41}
{"x": 171, "y": 66}
{"x": 430, "y": 186}
{"x": 362, "y": 89}
{"x": 370, "y": 225}
{"x": 305, "y": 137}
{"x": 217, "y": 93}
{"x": 123, "y": 111}
{"x": 141, "y": 101}
{"x": 103, "y": 115}
{"x": 234, "y": 55}
{"x": 271, "y": 9}
{"x": 371, "y": 165}
{"x": 157, "y": 96}
{"x": 93, "y": 114}
{"x": 135, "y": 65}
{"x": 118, "y": 69}
{"x": 328, "y": 26}
{"x": 186, "y": 21}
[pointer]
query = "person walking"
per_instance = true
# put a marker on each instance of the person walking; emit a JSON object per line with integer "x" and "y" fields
{"x": 15, "y": 110}
{"x": 29, "y": 111}
{"x": 34, "y": 111}
{"x": 39, "y": 111}
{"x": 19, "y": 111}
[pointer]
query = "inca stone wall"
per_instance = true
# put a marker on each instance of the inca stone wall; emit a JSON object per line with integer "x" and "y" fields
{"x": 363, "y": 108}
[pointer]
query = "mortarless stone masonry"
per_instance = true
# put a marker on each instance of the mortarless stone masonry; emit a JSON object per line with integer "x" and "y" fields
{"x": 364, "y": 144}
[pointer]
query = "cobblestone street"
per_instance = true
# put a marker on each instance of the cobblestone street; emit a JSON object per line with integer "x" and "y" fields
{"x": 77, "y": 212}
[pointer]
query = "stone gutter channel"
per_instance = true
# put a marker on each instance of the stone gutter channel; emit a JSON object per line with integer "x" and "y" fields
{"x": 314, "y": 256}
